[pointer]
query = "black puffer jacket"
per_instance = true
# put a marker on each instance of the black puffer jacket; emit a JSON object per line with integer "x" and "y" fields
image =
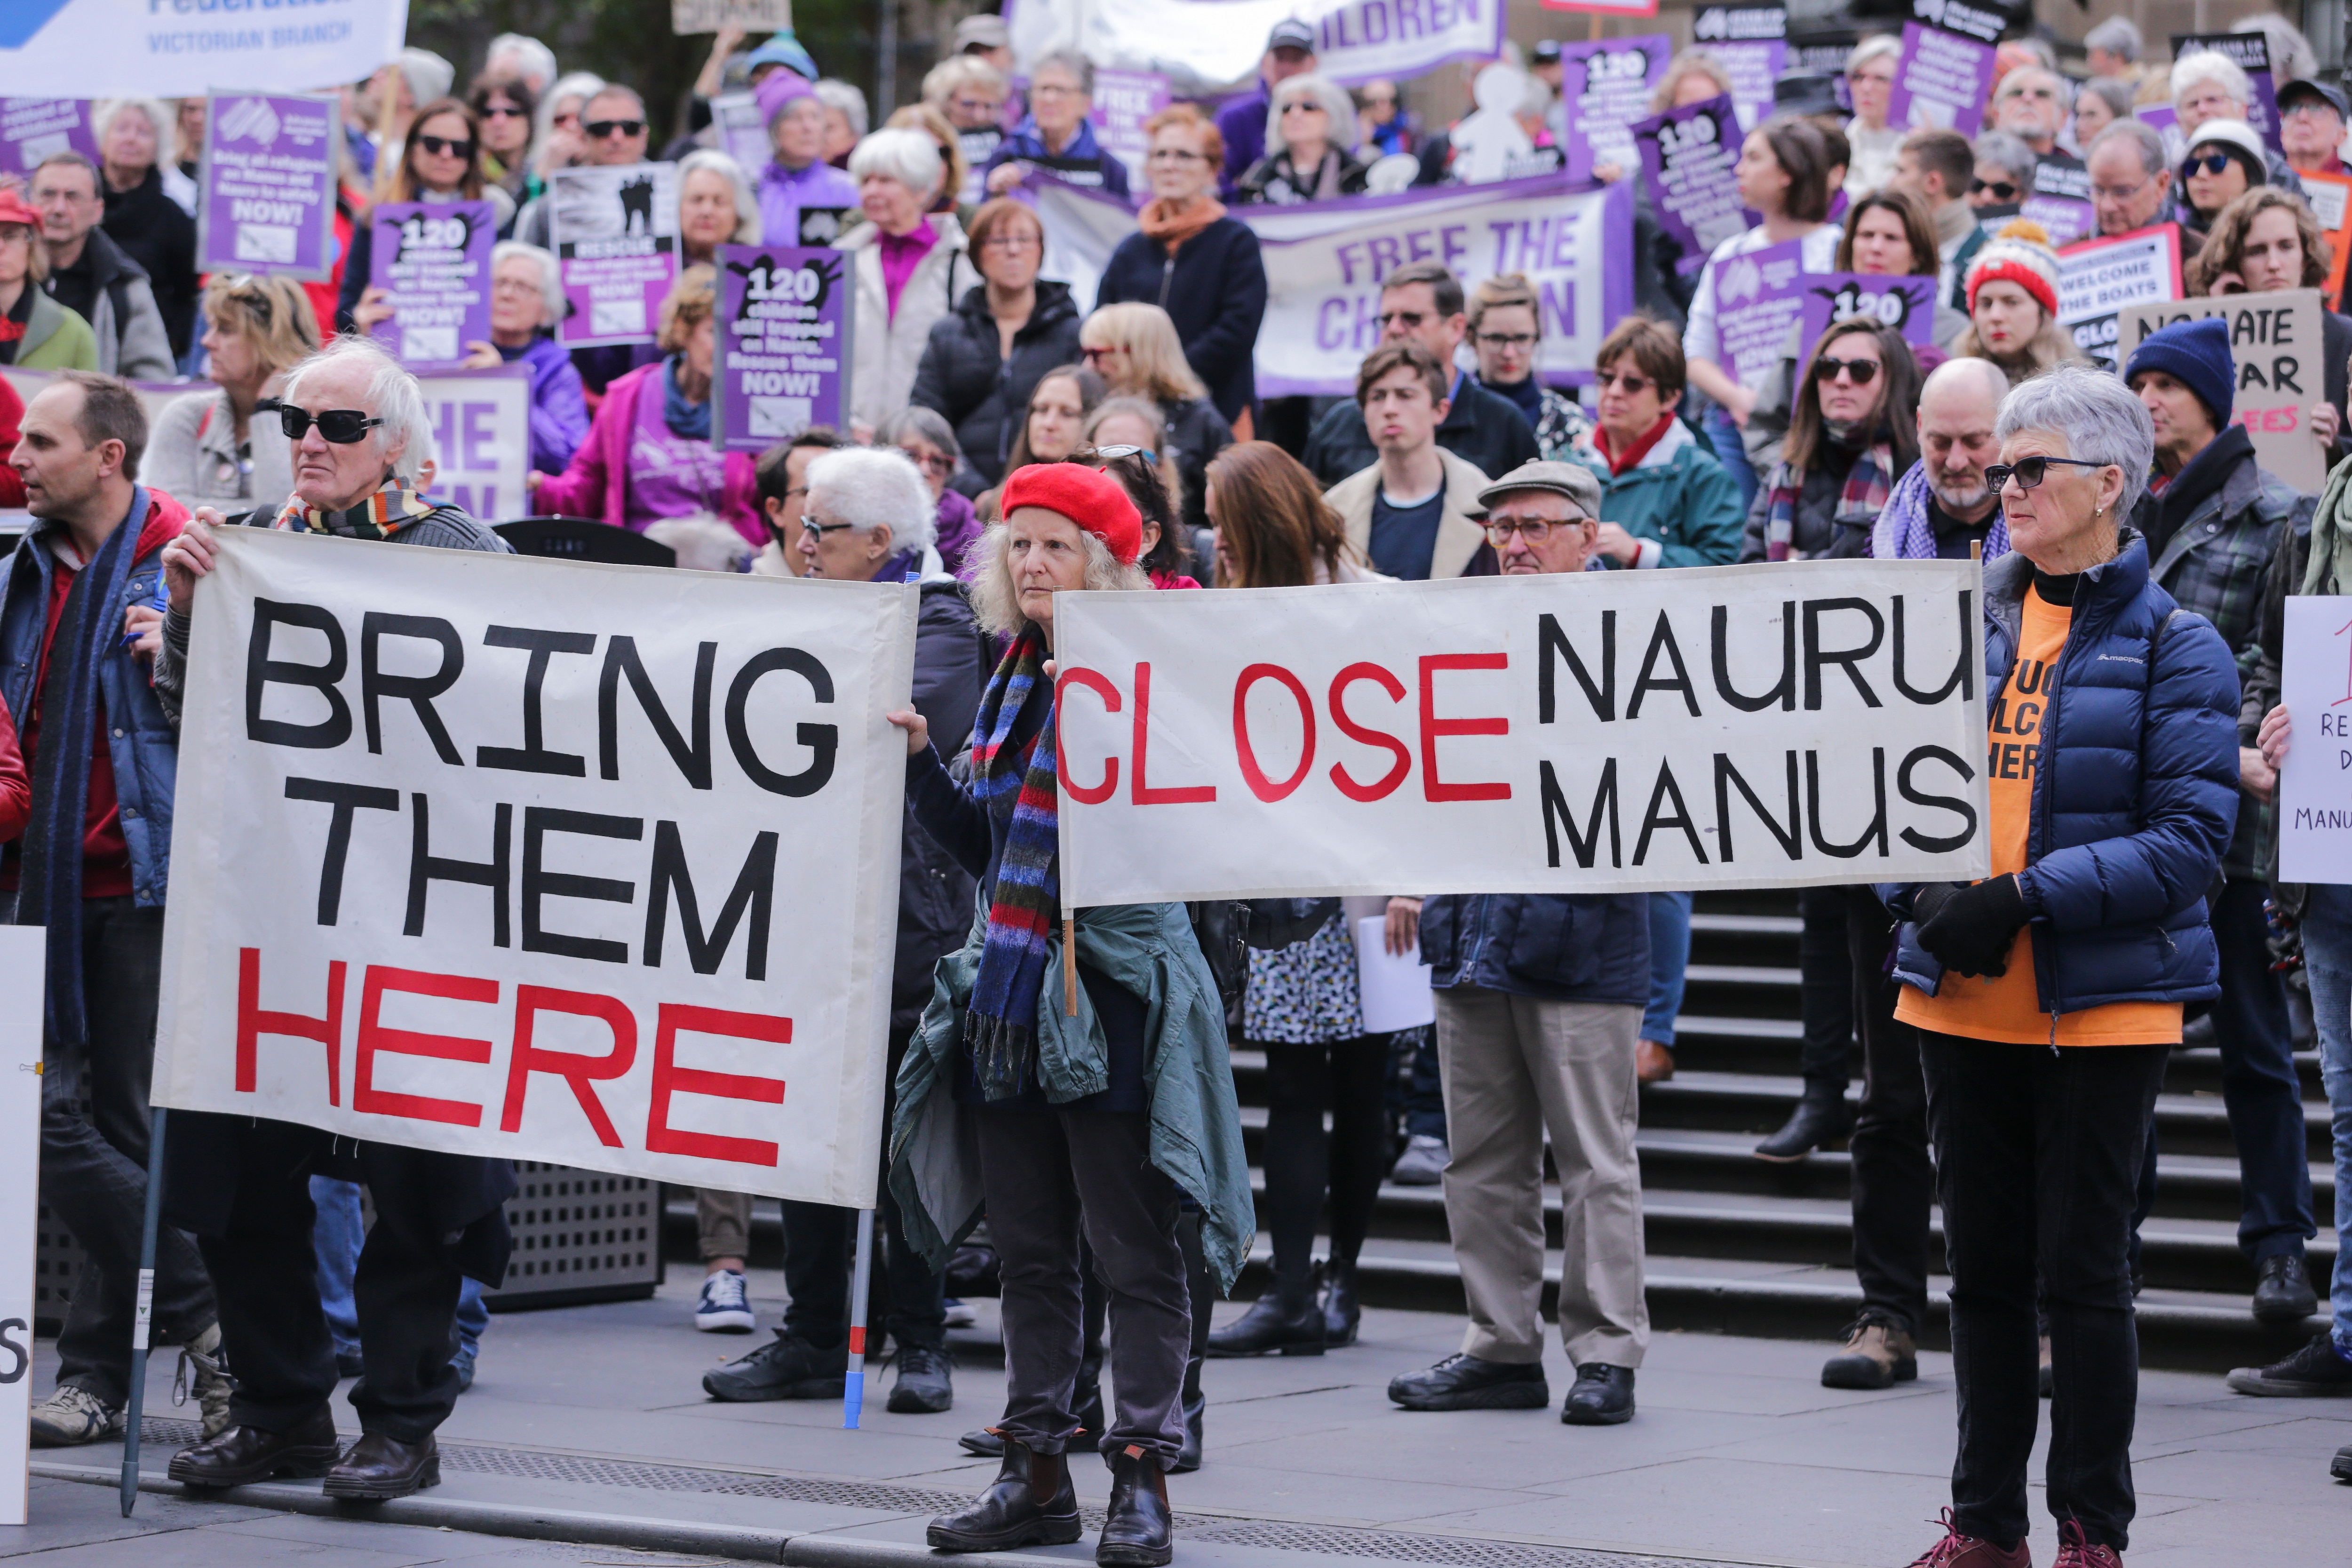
{"x": 153, "y": 231}
{"x": 1214, "y": 290}
{"x": 1196, "y": 433}
{"x": 935, "y": 892}
{"x": 981, "y": 394}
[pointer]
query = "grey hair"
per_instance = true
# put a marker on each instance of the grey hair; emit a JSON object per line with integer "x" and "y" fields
{"x": 2014, "y": 83}
{"x": 2291, "y": 58}
{"x": 747, "y": 204}
{"x": 581, "y": 85}
{"x": 615, "y": 89}
{"x": 873, "y": 487}
{"x": 2100, "y": 418}
{"x": 2004, "y": 151}
{"x": 1337, "y": 108}
{"x": 903, "y": 153}
{"x": 539, "y": 60}
{"x": 997, "y": 605}
{"x": 1994, "y": 379}
{"x": 2153, "y": 157}
{"x": 1070, "y": 61}
{"x": 429, "y": 76}
{"x": 2114, "y": 92}
{"x": 2209, "y": 65}
{"x": 925, "y": 423}
{"x": 550, "y": 278}
{"x": 392, "y": 396}
{"x": 2119, "y": 35}
{"x": 835, "y": 93}
{"x": 165, "y": 123}
{"x": 1870, "y": 48}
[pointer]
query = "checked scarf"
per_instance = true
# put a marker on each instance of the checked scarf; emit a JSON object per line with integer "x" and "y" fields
{"x": 1866, "y": 487}
{"x": 1905, "y": 531}
{"x": 1017, "y": 785}
{"x": 49, "y": 890}
{"x": 378, "y": 517}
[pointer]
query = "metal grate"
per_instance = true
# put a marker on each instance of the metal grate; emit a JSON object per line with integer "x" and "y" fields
{"x": 1389, "y": 1546}
{"x": 578, "y": 1236}
{"x": 58, "y": 1264}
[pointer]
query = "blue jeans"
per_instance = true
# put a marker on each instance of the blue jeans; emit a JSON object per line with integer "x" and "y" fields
{"x": 2327, "y": 959}
{"x": 1670, "y": 918}
{"x": 338, "y": 1233}
{"x": 1732, "y": 453}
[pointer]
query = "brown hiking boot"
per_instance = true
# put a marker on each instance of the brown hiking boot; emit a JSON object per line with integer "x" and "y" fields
{"x": 1957, "y": 1551}
{"x": 1877, "y": 1354}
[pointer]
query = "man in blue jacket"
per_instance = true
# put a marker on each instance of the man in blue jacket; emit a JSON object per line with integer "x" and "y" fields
{"x": 1539, "y": 1001}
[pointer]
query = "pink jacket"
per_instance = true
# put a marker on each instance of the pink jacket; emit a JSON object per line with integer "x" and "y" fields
{"x": 596, "y": 485}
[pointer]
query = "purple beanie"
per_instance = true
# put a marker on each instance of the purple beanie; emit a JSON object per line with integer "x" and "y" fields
{"x": 777, "y": 88}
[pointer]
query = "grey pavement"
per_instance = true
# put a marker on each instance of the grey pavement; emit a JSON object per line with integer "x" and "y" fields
{"x": 589, "y": 1424}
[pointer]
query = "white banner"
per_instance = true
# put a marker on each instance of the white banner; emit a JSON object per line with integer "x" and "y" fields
{"x": 23, "y": 955}
{"x": 1762, "y": 726}
{"x": 594, "y": 865}
{"x": 1202, "y": 45}
{"x": 185, "y": 49}
{"x": 2315, "y": 791}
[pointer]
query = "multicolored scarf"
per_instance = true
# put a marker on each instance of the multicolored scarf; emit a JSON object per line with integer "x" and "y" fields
{"x": 378, "y": 517}
{"x": 1867, "y": 484}
{"x": 1904, "y": 531}
{"x": 1017, "y": 784}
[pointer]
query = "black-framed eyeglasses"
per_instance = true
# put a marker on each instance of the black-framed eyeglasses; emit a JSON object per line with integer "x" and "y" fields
{"x": 599, "y": 129}
{"x": 1861, "y": 372}
{"x": 2002, "y": 191}
{"x": 2211, "y": 162}
{"x": 810, "y": 525}
{"x": 443, "y": 147}
{"x": 1507, "y": 340}
{"x": 343, "y": 427}
{"x": 2029, "y": 471}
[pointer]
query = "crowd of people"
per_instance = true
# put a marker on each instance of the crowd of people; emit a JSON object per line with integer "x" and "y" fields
{"x": 1006, "y": 440}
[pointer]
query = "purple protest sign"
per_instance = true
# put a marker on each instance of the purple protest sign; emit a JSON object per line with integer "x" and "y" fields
{"x": 1752, "y": 42}
{"x": 1945, "y": 72}
{"x": 2251, "y": 52}
{"x": 1689, "y": 156}
{"x": 1907, "y": 304}
{"x": 784, "y": 321}
{"x": 1606, "y": 86}
{"x": 1759, "y": 295}
{"x": 615, "y": 234}
{"x": 33, "y": 130}
{"x": 433, "y": 261}
{"x": 2060, "y": 200}
{"x": 267, "y": 179}
{"x": 1123, "y": 101}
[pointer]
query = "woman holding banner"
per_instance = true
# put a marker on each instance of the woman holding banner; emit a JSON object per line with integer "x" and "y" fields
{"x": 1126, "y": 1096}
{"x": 2266, "y": 242}
{"x": 441, "y": 161}
{"x": 2012, "y": 293}
{"x": 209, "y": 450}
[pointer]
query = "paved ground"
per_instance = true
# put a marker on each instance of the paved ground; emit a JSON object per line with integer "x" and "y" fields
{"x": 1737, "y": 1455}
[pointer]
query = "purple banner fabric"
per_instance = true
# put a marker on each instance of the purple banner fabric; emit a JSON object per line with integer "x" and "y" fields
{"x": 432, "y": 262}
{"x": 1757, "y": 298}
{"x": 1945, "y": 73}
{"x": 1752, "y": 42}
{"x": 1907, "y": 304}
{"x": 269, "y": 185}
{"x": 2252, "y": 53}
{"x": 615, "y": 233}
{"x": 1606, "y": 86}
{"x": 1689, "y": 156}
{"x": 1123, "y": 101}
{"x": 34, "y": 129}
{"x": 784, "y": 321}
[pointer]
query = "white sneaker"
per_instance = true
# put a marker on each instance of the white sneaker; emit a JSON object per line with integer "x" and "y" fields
{"x": 1423, "y": 1162}
{"x": 72, "y": 1416}
{"x": 726, "y": 1305}
{"x": 960, "y": 1314}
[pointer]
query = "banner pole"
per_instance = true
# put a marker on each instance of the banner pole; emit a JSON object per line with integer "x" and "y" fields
{"x": 861, "y": 1276}
{"x": 135, "y": 1406}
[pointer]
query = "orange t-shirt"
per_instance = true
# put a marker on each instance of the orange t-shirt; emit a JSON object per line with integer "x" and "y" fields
{"x": 2009, "y": 1008}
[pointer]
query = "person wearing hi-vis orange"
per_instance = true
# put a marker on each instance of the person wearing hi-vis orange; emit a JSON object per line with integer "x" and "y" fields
{"x": 2048, "y": 995}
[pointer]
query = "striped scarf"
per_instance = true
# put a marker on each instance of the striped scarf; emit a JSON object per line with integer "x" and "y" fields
{"x": 1866, "y": 486}
{"x": 1016, "y": 784}
{"x": 378, "y": 517}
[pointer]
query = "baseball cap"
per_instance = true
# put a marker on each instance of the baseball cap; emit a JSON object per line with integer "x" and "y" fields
{"x": 985, "y": 31}
{"x": 2333, "y": 97}
{"x": 1290, "y": 33}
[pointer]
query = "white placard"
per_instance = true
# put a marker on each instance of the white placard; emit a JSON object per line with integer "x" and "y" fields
{"x": 1791, "y": 725}
{"x": 2314, "y": 797}
{"x": 545, "y": 859}
{"x": 23, "y": 955}
{"x": 1393, "y": 987}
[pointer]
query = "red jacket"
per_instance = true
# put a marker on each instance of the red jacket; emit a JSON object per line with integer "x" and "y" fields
{"x": 596, "y": 485}
{"x": 12, "y": 414}
{"x": 15, "y": 786}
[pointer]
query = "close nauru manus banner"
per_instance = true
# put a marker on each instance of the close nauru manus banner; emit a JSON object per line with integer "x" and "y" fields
{"x": 1721, "y": 727}
{"x": 594, "y": 865}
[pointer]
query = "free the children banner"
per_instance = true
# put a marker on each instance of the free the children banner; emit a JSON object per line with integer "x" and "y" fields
{"x": 494, "y": 855}
{"x": 1721, "y": 727}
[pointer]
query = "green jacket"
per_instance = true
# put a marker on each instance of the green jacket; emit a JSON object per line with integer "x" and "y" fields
{"x": 1677, "y": 496}
{"x": 1196, "y": 1123}
{"x": 55, "y": 338}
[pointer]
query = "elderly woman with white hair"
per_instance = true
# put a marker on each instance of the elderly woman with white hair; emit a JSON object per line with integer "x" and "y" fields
{"x": 150, "y": 206}
{"x": 2048, "y": 997}
{"x": 909, "y": 263}
{"x": 526, "y": 302}
{"x": 1870, "y": 77}
{"x": 716, "y": 206}
{"x": 2210, "y": 85}
{"x": 1309, "y": 120}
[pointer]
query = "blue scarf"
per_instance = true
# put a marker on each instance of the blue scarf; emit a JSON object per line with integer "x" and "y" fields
{"x": 686, "y": 421}
{"x": 50, "y": 889}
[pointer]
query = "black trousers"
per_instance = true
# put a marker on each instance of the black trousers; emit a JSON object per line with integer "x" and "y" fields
{"x": 2038, "y": 1159}
{"x": 94, "y": 1168}
{"x": 2259, "y": 1085}
{"x": 1828, "y": 989}
{"x": 1349, "y": 1079}
{"x": 1894, "y": 1182}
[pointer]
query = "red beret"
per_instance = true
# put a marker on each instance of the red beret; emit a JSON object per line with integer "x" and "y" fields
{"x": 1088, "y": 496}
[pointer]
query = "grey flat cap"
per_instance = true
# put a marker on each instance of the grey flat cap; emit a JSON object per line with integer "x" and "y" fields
{"x": 1574, "y": 480}
{"x": 985, "y": 31}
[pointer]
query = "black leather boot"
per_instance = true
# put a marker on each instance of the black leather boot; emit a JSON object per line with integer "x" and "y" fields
{"x": 243, "y": 1455}
{"x": 1287, "y": 1318}
{"x": 1136, "y": 1530}
{"x": 1029, "y": 1503}
{"x": 1818, "y": 1121}
{"x": 378, "y": 1467}
{"x": 1341, "y": 1312}
{"x": 1196, "y": 1411}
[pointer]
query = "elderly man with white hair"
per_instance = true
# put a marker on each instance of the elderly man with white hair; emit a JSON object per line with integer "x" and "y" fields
{"x": 868, "y": 519}
{"x": 2032, "y": 104}
{"x": 911, "y": 265}
{"x": 2209, "y": 85}
{"x": 241, "y": 1185}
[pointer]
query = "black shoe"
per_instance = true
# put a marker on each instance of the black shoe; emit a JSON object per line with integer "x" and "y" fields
{"x": 378, "y": 1467}
{"x": 1466, "y": 1383}
{"x": 2341, "y": 1465}
{"x": 1289, "y": 1321}
{"x": 926, "y": 1383}
{"x": 2282, "y": 1292}
{"x": 987, "y": 1442}
{"x": 780, "y": 1369}
{"x": 1188, "y": 1457}
{"x": 1816, "y": 1123}
{"x": 243, "y": 1455}
{"x": 1341, "y": 1312}
{"x": 1136, "y": 1530}
{"x": 2313, "y": 1372}
{"x": 348, "y": 1364}
{"x": 1603, "y": 1396}
{"x": 1030, "y": 1503}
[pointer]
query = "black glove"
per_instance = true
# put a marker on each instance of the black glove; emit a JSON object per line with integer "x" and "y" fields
{"x": 1970, "y": 930}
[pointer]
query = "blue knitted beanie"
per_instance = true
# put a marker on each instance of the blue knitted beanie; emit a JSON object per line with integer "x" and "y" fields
{"x": 2197, "y": 355}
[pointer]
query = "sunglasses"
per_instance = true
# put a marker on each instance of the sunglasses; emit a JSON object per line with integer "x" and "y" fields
{"x": 442, "y": 147}
{"x": 2029, "y": 472}
{"x": 343, "y": 427}
{"x": 2002, "y": 191}
{"x": 1408, "y": 320}
{"x": 1090, "y": 355}
{"x": 1625, "y": 380}
{"x": 1113, "y": 454}
{"x": 2211, "y": 162}
{"x": 503, "y": 111}
{"x": 599, "y": 129}
{"x": 1861, "y": 372}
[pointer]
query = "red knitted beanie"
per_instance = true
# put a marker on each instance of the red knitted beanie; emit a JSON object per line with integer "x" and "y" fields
{"x": 1088, "y": 496}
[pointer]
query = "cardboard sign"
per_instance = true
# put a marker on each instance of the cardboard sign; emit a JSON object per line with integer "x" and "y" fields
{"x": 1907, "y": 304}
{"x": 541, "y": 859}
{"x": 785, "y": 320}
{"x": 34, "y": 130}
{"x": 2314, "y": 789}
{"x": 1945, "y": 71}
{"x": 2251, "y": 52}
{"x": 1123, "y": 101}
{"x": 1606, "y": 86}
{"x": 23, "y": 956}
{"x": 432, "y": 261}
{"x": 2098, "y": 277}
{"x": 267, "y": 177}
{"x": 1752, "y": 42}
{"x": 2275, "y": 341}
{"x": 615, "y": 239}
{"x": 2330, "y": 196}
{"x": 688, "y": 16}
{"x": 1688, "y": 157}
{"x": 1778, "y": 725}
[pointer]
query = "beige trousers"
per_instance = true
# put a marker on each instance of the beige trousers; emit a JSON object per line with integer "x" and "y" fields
{"x": 723, "y": 1223}
{"x": 1514, "y": 1067}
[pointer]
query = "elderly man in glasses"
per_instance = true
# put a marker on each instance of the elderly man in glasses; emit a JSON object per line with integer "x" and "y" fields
{"x": 361, "y": 441}
{"x": 1539, "y": 1000}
